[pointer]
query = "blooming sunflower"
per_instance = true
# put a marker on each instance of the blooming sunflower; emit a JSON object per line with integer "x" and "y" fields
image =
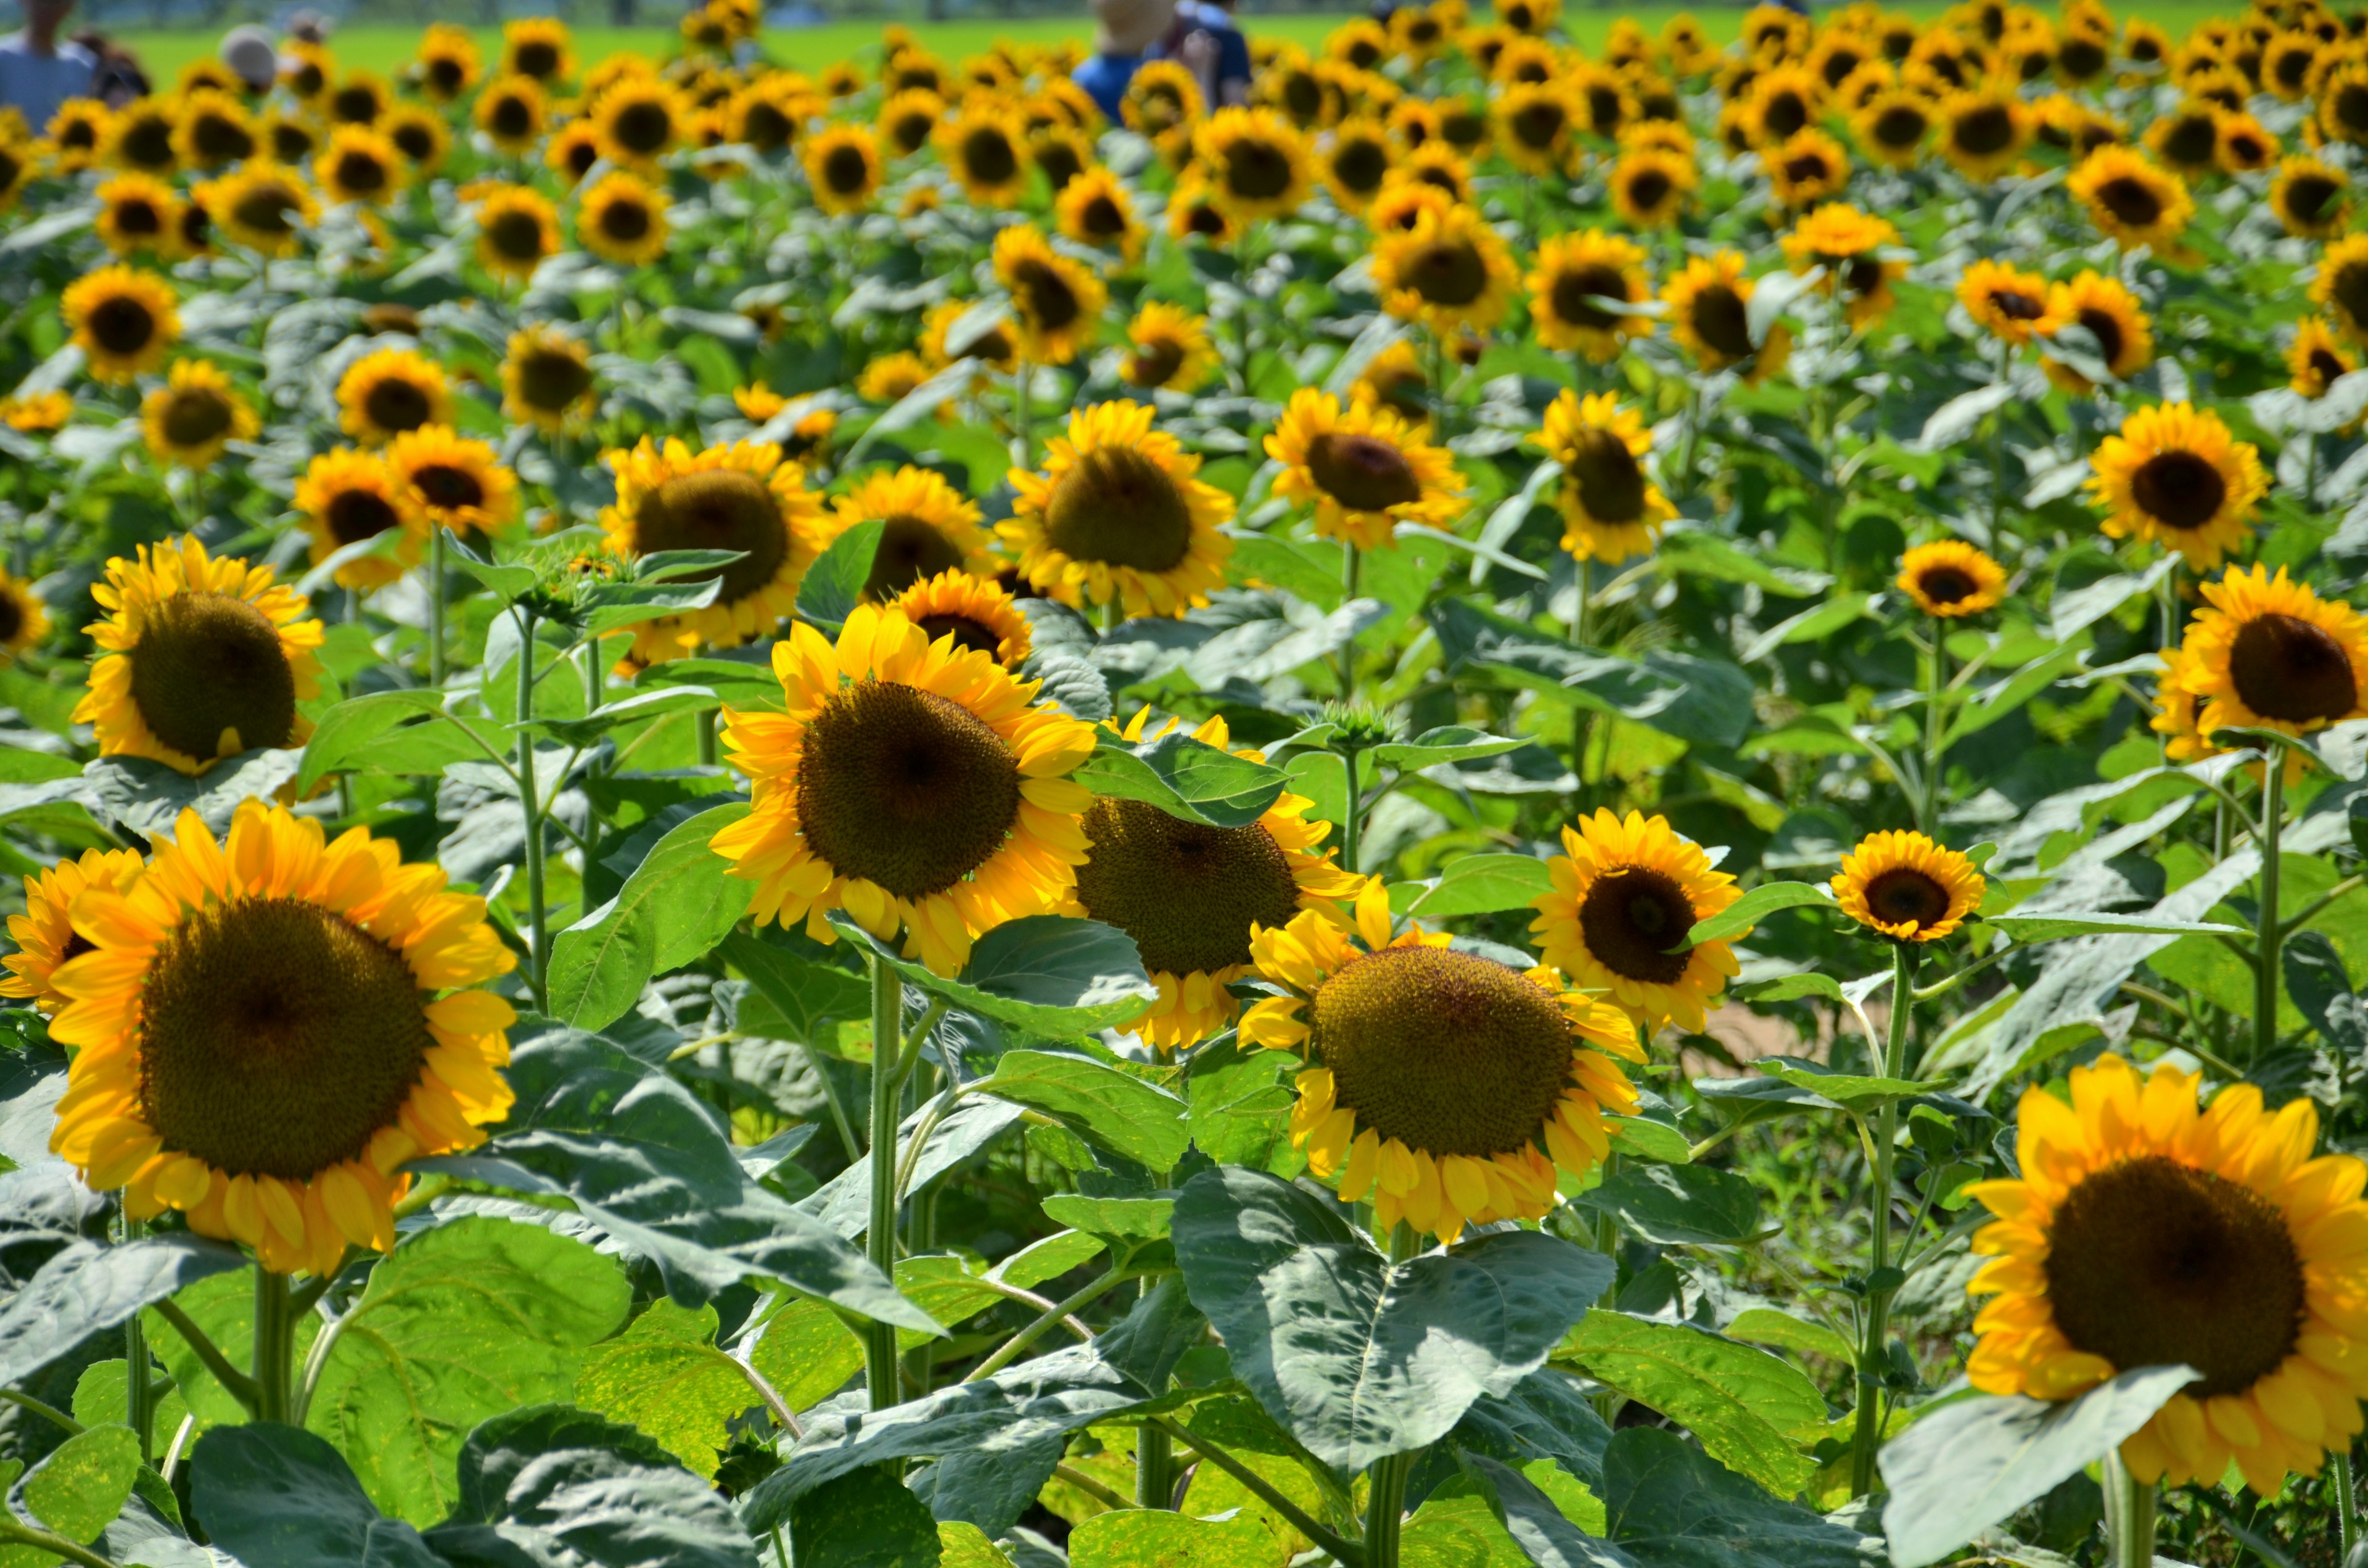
{"x": 261, "y": 205}
{"x": 2246, "y": 145}
{"x": 2011, "y": 304}
{"x": 35, "y": 413}
{"x": 1611, "y": 508}
{"x": 454, "y": 479}
{"x": 195, "y": 414}
{"x": 2108, "y": 312}
{"x": 891, "y": 377}
{"x": 1193, "y": 896}
{"x": 547, "y": 379}
{"x": 843, "y": 168}
{"x": 1168, "y": 347}
{"x": 916, "y": 785}
{"x": 270, "y": 1027}
{"x": 24, "y": 619}
{"x": 2267, "y": 652}
{"x": 139, "y": 137}
{"x": 1624, "y": 894}
{"x": 360, "y": 164}
{"x": 200, "y": 659}
{"x": 124, "y": 320}
{"x": 1059, "y": 303}
{"x": 78, "y": 130}
{"x": 1806, "y": 168}
{"x": 448, "y": 63}
{"x": 572, "y": 152}
{"x": 1355, "y": 157}
{"x": 136, "y": 213}
{"x": 1573, "y": 272}
{"x": 1535, "y": 123}
{"x": 1394, "y": 379}
{"x": 743, "y": 497}
{"x": 1949, "y": 579}
{"x": 211, "y": 130}
{"x": 362, "y": 98}
{"x": 420, "y": 134}
{"x": 1096, "y": 209}
{"x": 2187, "y": 139}
{"x": 2341, "y": 285}
{"x": 1117, "y": 516}
{"x": 511, "y": 113}
{"x": 1257, "y": 161}
{"x": 991, "y": 344}
{"x": 517, "y": 230}
{"x": 2343, "y": 103}
{"x": 927, "y": 526}
{"x": 2174, "y": 476}
{"x": 639, "y": 120}
{"x": 1904, "y": 886}
{"x": 1449, "y": 270}
{"x": 1710, "y": 315}
{"x": 1892, "y": 127}
{"x": 1650, "y": 186}
{"x": 1365, "y": 469}
{"x": 1847, "y": 243}
{"x": 346, "y": 496}
{"x": 908, "y": 118}
{"x": 44, "y": 933}
{"x": 391, "y": 390}
{"x": 2315, "y": 359}
{"x": 2143, "y": 1232}
{"x": 986, "y": 151}
{"x": 1447, "y": 1087}
{"x": 978, "y": 613}
{"x": 624, "y": 219}
{"x": 2130, "y": 199}
{"x": 2309, "y": 196}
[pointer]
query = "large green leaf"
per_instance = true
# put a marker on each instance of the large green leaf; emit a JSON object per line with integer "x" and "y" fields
{"x": 1099, "y": 1103}
{"x": 2052, "y": 926}
{"x": 148, "y": 798}
{"x": 1357, "y": 1358}
{"x": 1753, "y": 1412}
{"x": 1536, "y": 1525}
{"x": 1753, "y": 907}
{"x": 1678, "y": 1205}
{"x": 83, "y": 1483}
{"x": 1048, "y": 973}
{"x": 1693, "y": 699}
{"x": 461, "y": 1324}
{"x": 89, "y": 1286}
{"x": 665, "y": 1377}
{"x": 1668, "y": 1505}
{"x": 1475, "y": 884}
{"x": 343, "y": 732}
{"x": 1240, "y": 1098}
{"x": 1154, "y": 1538}
{"x": 833, "y": 585}
{"x": 678, "y": 902}
{"x": 1972, "y": 1462}
{"x": 1184, "y": 777}
{"x": 222, "y": 1307}
{"x": 806, "y": 1353}
{"x": 1458, "y": 1530}
{"x": 867, "y": 1519}
{"x": 795, "y": 998}
{"x": 274, "y": 1497}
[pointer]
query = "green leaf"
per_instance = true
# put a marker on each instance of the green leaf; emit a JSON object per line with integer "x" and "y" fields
{"x": 2002, "y": 698}
{"x": 1853, "y": 1092}
{"x": 1972, "y": 1462}
{"x": 1678, "y": 694}
{"x": 222, "y": 1308}
{"x": 1048, "y": 973}
{"x": 1667, "y": 1505}
{"x": 1145, "y": 1216}
{"x": 1673, "y": 1205}
{"x": 1537, "y": 1522}
{"x": 665, "y": 1377}
{"x": 1458, "y": 1531}
{"x": 794, "y": 998}
{"x": 1241, "y": 1098}
{"x": 1748, "y": 1409}
{"x": 1155, "y": 1538}
{"x": 18, "y": 765}
{"x": 639, "y": 707}
{"x": 1752, "y": 908}
{"x": 1815, "y": 624}
{"x": 1102, "y": 1105}
{"x": 274, "y": 1496}
{"x": 148, "y": 798}
{"x": 1184, "y": 777}
{"x": 353, "y": 724}
{"x": 834, "y": 585}
{"x": 806, "y": 1353}
{"x": 679, "y": 902}
{"x": 83, "y": 1483}
{"x": 2030, "y": 928}
{"x": 1449, "y": 742}
{"x": 1791, "y": 988}
{"x": 88, "y": 1286}
{"x": 866, "y": 1519}
{"x": 965, "y": 1546}
{"x": 1357, "y": 1358}
{"x": 737, "y": 682}
{"x": 1476, "y": 884}
{"x": 99, "y": 1399}
{"x": 1767, "y": 1325}
{"x": 509, "y": 583}
{"x": 1650, "y": 1140}
{"x": 615, "y": 606}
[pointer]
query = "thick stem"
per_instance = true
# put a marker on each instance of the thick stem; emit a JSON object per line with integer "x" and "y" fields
{"x": 1024, "y": 412}
{"x": 2129, "y": 1516}
{"x": 705, "y": 719}
{"x": 436, "y": 606}
{"x": 2269, "y": 933}
{"x": 2347, "y": 1507}
{"x": 274, "y": 1344}
{"x": 1385, "y": 1512}
{"x": 138, "y": 1389}
{"x": 1873, "y": 1349}
{"x": 1349, "y": 812}
{"x": 1580, "y": 572}
{"x": 887, "y": 1034}
{"x": 57, "y": 1545}
{"x": 1935, "y": 684}
{"x": 537, "y": 941}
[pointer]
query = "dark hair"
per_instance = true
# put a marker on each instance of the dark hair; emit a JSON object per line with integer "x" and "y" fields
{"x": 118, "y": 75}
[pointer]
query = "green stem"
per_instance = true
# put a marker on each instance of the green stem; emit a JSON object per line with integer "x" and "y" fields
{"x": 2347, "y": 1509}
{"x": 436, "y": 606}
{"x": 1349, "y": 812}
{"x": 2129, "y": 1516}
{"x": 24, "y": 1535}
{"x": 1935, "y": 684}
{"x": 1580, "y": 572}
{"x": 1385, "y": 1511}
{"x": 241, "y": 1387}
{"x": 1872, "y": 1349}
{"x": 275, "y": 1344}
{"x": 48, "y": 1413}
{"x": 705, "y": 719}
{"x": 2269, "y": 931}
{"x": 887, "y": 1033}
{"x": 1024, "y": 412}
{"x": 536, "y": 940}
{"x": 1342, "y": 1549}
{"x": 138, "y": 1393}
{"x": 1058, "y": 1312}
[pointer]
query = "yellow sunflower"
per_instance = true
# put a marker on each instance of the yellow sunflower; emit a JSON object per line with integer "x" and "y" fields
{"x": 361, "y": 99}
{"x": 511, "y": 113}
{"x": 1535, "y": 124}
{"x": 1355, "y": 158}
{"x": 360, "y": 163}
{"x": 1651, "y": 186}
{"x": 455, "y": 480}
{"x": 2130, "y": 199}
{"x": 293, "y": 139}
{"x": 1168, "y": 347}
{"x": 269, "y": 1028}
{"x": 986, "y": 151}
{"x": 1058, "y": 302}
{"x": 1117, "y": 516}
{"x": 1624, "y": 894}
{"x": 2310, "y": 197}
{"x": 891, "y": 377}
{"x": 211, "y": 130}
{"x": 907, "y": 119}
{"x": 2341, "y": 286}
{"x": 1903, "y": 885}
{"x": 346, "y": 496}
{"x": 639, "y": 120}
{"x": 926, "y": 527}
{"x": 624, "y": 219}
{"x": 2173, "y": 475}
{"x": 1892, "y": 127}
{"x": 35, "y": 413}
{"x": 391, "y": 390}
{"x": 547, "y": 379}
{"x": 1096, "y": 209}
{"x": 1847, "y": 243}
{"x": 2010, "y": 303}
{"x": 517, "y": 230}
{"x": 123, "y": 320}
{"x": 978, "y": 613}
{"x": 140, "y": 136}
{"x": 2269, "y": 653}
{"x": 1365, "y": 469}
{"x": 200, "y": 659}
{"x": 136, "y": 213}
{"x": 2143, "y": 1233}
{"x": 1193, "y": 213}
{"x": 993, "y": 346}
{"x": 1394, "y": 379}
{"x": 1611, "y": 510}
{"x": 1449, "y": 270}
{"x": 843, "y": 168}
{"x": 420, "y": 134}
{"x": 2315, "y": 359}
{"x": 1710, "y": 315}
{"x": 573, "y": 150}
{"x": 1806, "y": 168}
{"x": 44, "y": 933}
{"x": 1573, "y": 272}
{"x": 448, "y": 63}
{"x": 1257, "y": 161}
{"x": 261, "y": 205}
{"x": 743, "y": 497}
{"x": 2246, "y": 145}
{"x": 195, "y": 414}
{"x": 79, "y": 131}
{"x": 916, "y": 785}
{"x": 24, "y": 620}
{"x": 1447, "y": 1088}
{"x": 2106, "y": 309}
{"x": 1949, "y": 579}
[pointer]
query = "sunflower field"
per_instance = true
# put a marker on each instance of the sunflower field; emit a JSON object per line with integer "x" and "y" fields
{"x": 1602, "y": 808}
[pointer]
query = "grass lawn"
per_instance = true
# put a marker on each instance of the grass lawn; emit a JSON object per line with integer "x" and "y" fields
{"x": 384, "y": 49}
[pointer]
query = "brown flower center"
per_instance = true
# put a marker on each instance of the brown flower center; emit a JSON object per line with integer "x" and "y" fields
{"x": 1188, "y": 895}
{"x": 512, "y": 118}
{"x": 550, "y": 380}
{"x": 535, "y": 58}
{"x": 1722, "y": 318}
{"x": 2192, "y": 140}
{"x": 625, "y": 220}
{"x": 846, "y": 170}
{"x": 1631, "y": 916}
{"x": 449, "y": 487}
{"x": 1901, "y": 125}
{"x": 718, "y": 508}
{"x": 2131, "y": 200}
{"x": 1040, "y": 290}
{"x": 1984, "y": 130}
{"x": 1448, "y": 272}
{"x": 353, "y": 516}
{"x": 642, "y": 127}
{"x": 1648, "y": 188}
{"x": 988, "y": 155}
{"x": 396, "y": 404}
{"x": 910, "y": 550}
{"x": 1945, "y": 584}
{"x": 194, "y": 416}
{"x": 903, "y": 788}
{"x": 1361, "y": 164}
{"x": 1905, "y": 896}
{"x": 1611, "y": 481}
{"x": 1256, "y": 169}
{"x": 1156, "y": 364}
{"x": 2179, "y": 490}
{"x": 2106, "y": 328}
{"x": 970, "y": 636}
{"x": 2292, "y": 670}
{"x": 1574, "y": 291}
{"x": 269, "y": 209}
{"x": 1364, "y": 473}
{"x": 207, "y": 663}
{"x": 122, "y": 324}
{"x": 2307, "y": 197}
{"x": 517, "y": 235}
{"x": 1118, "y": 506}
{"x": 359, "y": 171}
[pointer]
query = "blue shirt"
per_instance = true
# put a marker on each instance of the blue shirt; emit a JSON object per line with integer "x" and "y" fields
{"x": 1104, "y": 78}
{"x": 1232, "y": 50}
{"x": 35, "y": 84}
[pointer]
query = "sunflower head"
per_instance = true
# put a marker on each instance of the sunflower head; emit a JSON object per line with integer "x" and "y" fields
{"x": 639, "y": 119}
{"x": 1096, "y": 209}
{"x": 2008, "y": 302}
{"x": 511, "y": 113}
{"x": 195, "y": 414}
{"x": 1363, "y": 468}
{"x": 1806, "y": 167}
{"x": 1058, "y": 302}
{"x": 448, "y": 63}
{"x": 261, "y": 205}
{"x": 978, "y": 613}
{"x": 1394, "y": 379}
{"x": 141, "y": 137}
{"x": 455, "y": 480}
{"x": 2172, "y": 474}
{"x": 624, "y": 219}
{"x": 391, "y": 390}
{"x": 843, "y": 168}
{"x": 1611, "y": 509}
{"x": 44, "y": 933}
{"x": 2341, "y": 286}
{"x": 346, "y": 496}
{"x": 1579, "y": 280}
{"x": 538, "y": 47}
{"x": 1449, "y": 270}
{"x": 421, "y": 136}
{"x": 1892, "y": 127}
{"x": 2269, "y": 653}
{"x": 926, "y": 527}
{"x": 986, "y": 151}
{"x": 1168, "y": 347}
{"x": 517, "y": 230}
{"x": 1950, "y": 579}
{"x": 2130, "y": 199}
{"x": 360, "y": 164}
{"x": 1650, "y": 186}
{"x": 2310, "y": 197}
{"x": 547, "y": 379}
{"x": 35, "y": 413}
{"x": 123, "y": 320}
{"x": 1904, "y": 886}
{"x": 1710, "y": 315}
{"x": 1625, "y": 893}
{"x": 1256, "y": 160}
{"x": 2316, "y": 358}
{"x": 1116, "y": 514}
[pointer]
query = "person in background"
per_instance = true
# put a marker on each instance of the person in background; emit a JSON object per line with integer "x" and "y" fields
{"x": 118, "y": 78}
{"x": 1122, "y": 31}
{"x": 248, "y": 51}
{"x": 38, "y": 69}
{"x": 1205, "y": 37}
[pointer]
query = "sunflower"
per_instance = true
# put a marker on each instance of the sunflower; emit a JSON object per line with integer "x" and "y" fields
{"x": 2011, "y": 304}
{"x": 123, "y": 320}
{"x": 1847, "y": 243}
{"x": 136, "y": 213}
{"x": 360, "y": 163}
{"x": 1353, "y": 160}
{"x": 420, "y": 134}
{"x": 1256, "y": 161}
{"x": 2173, "y": 475}
{"x": 1806, "y": 168}
{"x": 927, "y": 528}
{"x": 639, "y": 120}
{"x": 1449, "y": 270}
{"x": 573, "y": 150}
{"x": 1402, "y": 203}
{"x": 547, "y": 379}
{"x": 1163, "y": 103}
{"x": 361, "y": 99}
{"x": 1193, "y": 213}
{"x": 511, "y": 112}
{"x": 993, "y": 346}
{"x": 346, "y": 496}
{"x": 2286, "y": 64}
{"x": 2310, "y": 197}
{"x": 986, "y": 153}
{"x": 1783, "y": 103}
{"x": 1902, "y": 885}
{"x": 213, "y": 129}
{"x": 977, "y": 612}
{"x": 2316, "y": 358}
{"x": 1446, "y": 1088}
{"x": 2246, "y": 145}
{"x": 843, "y": 168}
{"x": 1394, "y": 379}
{"x": 1058, "y": 302}
{"x": 1710, "y": 315}
{"x": 35, "y": 413}
{"x": 1365, "y": 469}
{"x": 2130, "y": 199}
{"x": 261, "y": 205}
{"x": 448, "y": 63}
{"x": 1168, "y": 347}
{"x": 1650, "y": 186}
{"x": 909, "y": 119}
{"x": 304, "y": 70}
{"x": 2106, "y": 309}
{"x": 767, "y": 114}
{"x": 916, "y": 785}
{"x": 79, "y": 131}
{"x": 2343, "y": 103}
{"x": 2143, "y": 1232}
{"x": 24, "y": 622}
{"x": 1535, "y": 123}
{"x": 1983, "y": 131}
{"x": 1624, "y": 894}
{"x": 1438, "y": 166}
{"x": 2187, "y": 139}
{"x": 269, "y": 1028}
{"x": 456, "y": 482}
{"x": 1117, "y": 515}
{"x": 44, "y": 933}
{"x": 385, "y": 394}
{"x": 200, "y": 659}
{"x": 1611, "y": 509}
{"x": 2267, "y": 652}
{"x": 1096, "y": 209}
{"x": 1892, "y": 127}
{"x": 891, "y": 377}
{"x": 517, "y": 230}
{"x": 538, "y": 47}
{"x": 1576, "y": 270}
{"x": 622, "y": 219}
{"x": 139, "y": 136}
{"x": 2341, "y": 286}
{"x": 743, "y": 497}
{"x": 2177, "y": 710}
{"x": 195, "y": 415}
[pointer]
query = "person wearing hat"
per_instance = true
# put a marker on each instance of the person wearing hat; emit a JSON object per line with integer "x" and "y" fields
{"x": 248, "y": 53}
{"x": 1122, "y": 31}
